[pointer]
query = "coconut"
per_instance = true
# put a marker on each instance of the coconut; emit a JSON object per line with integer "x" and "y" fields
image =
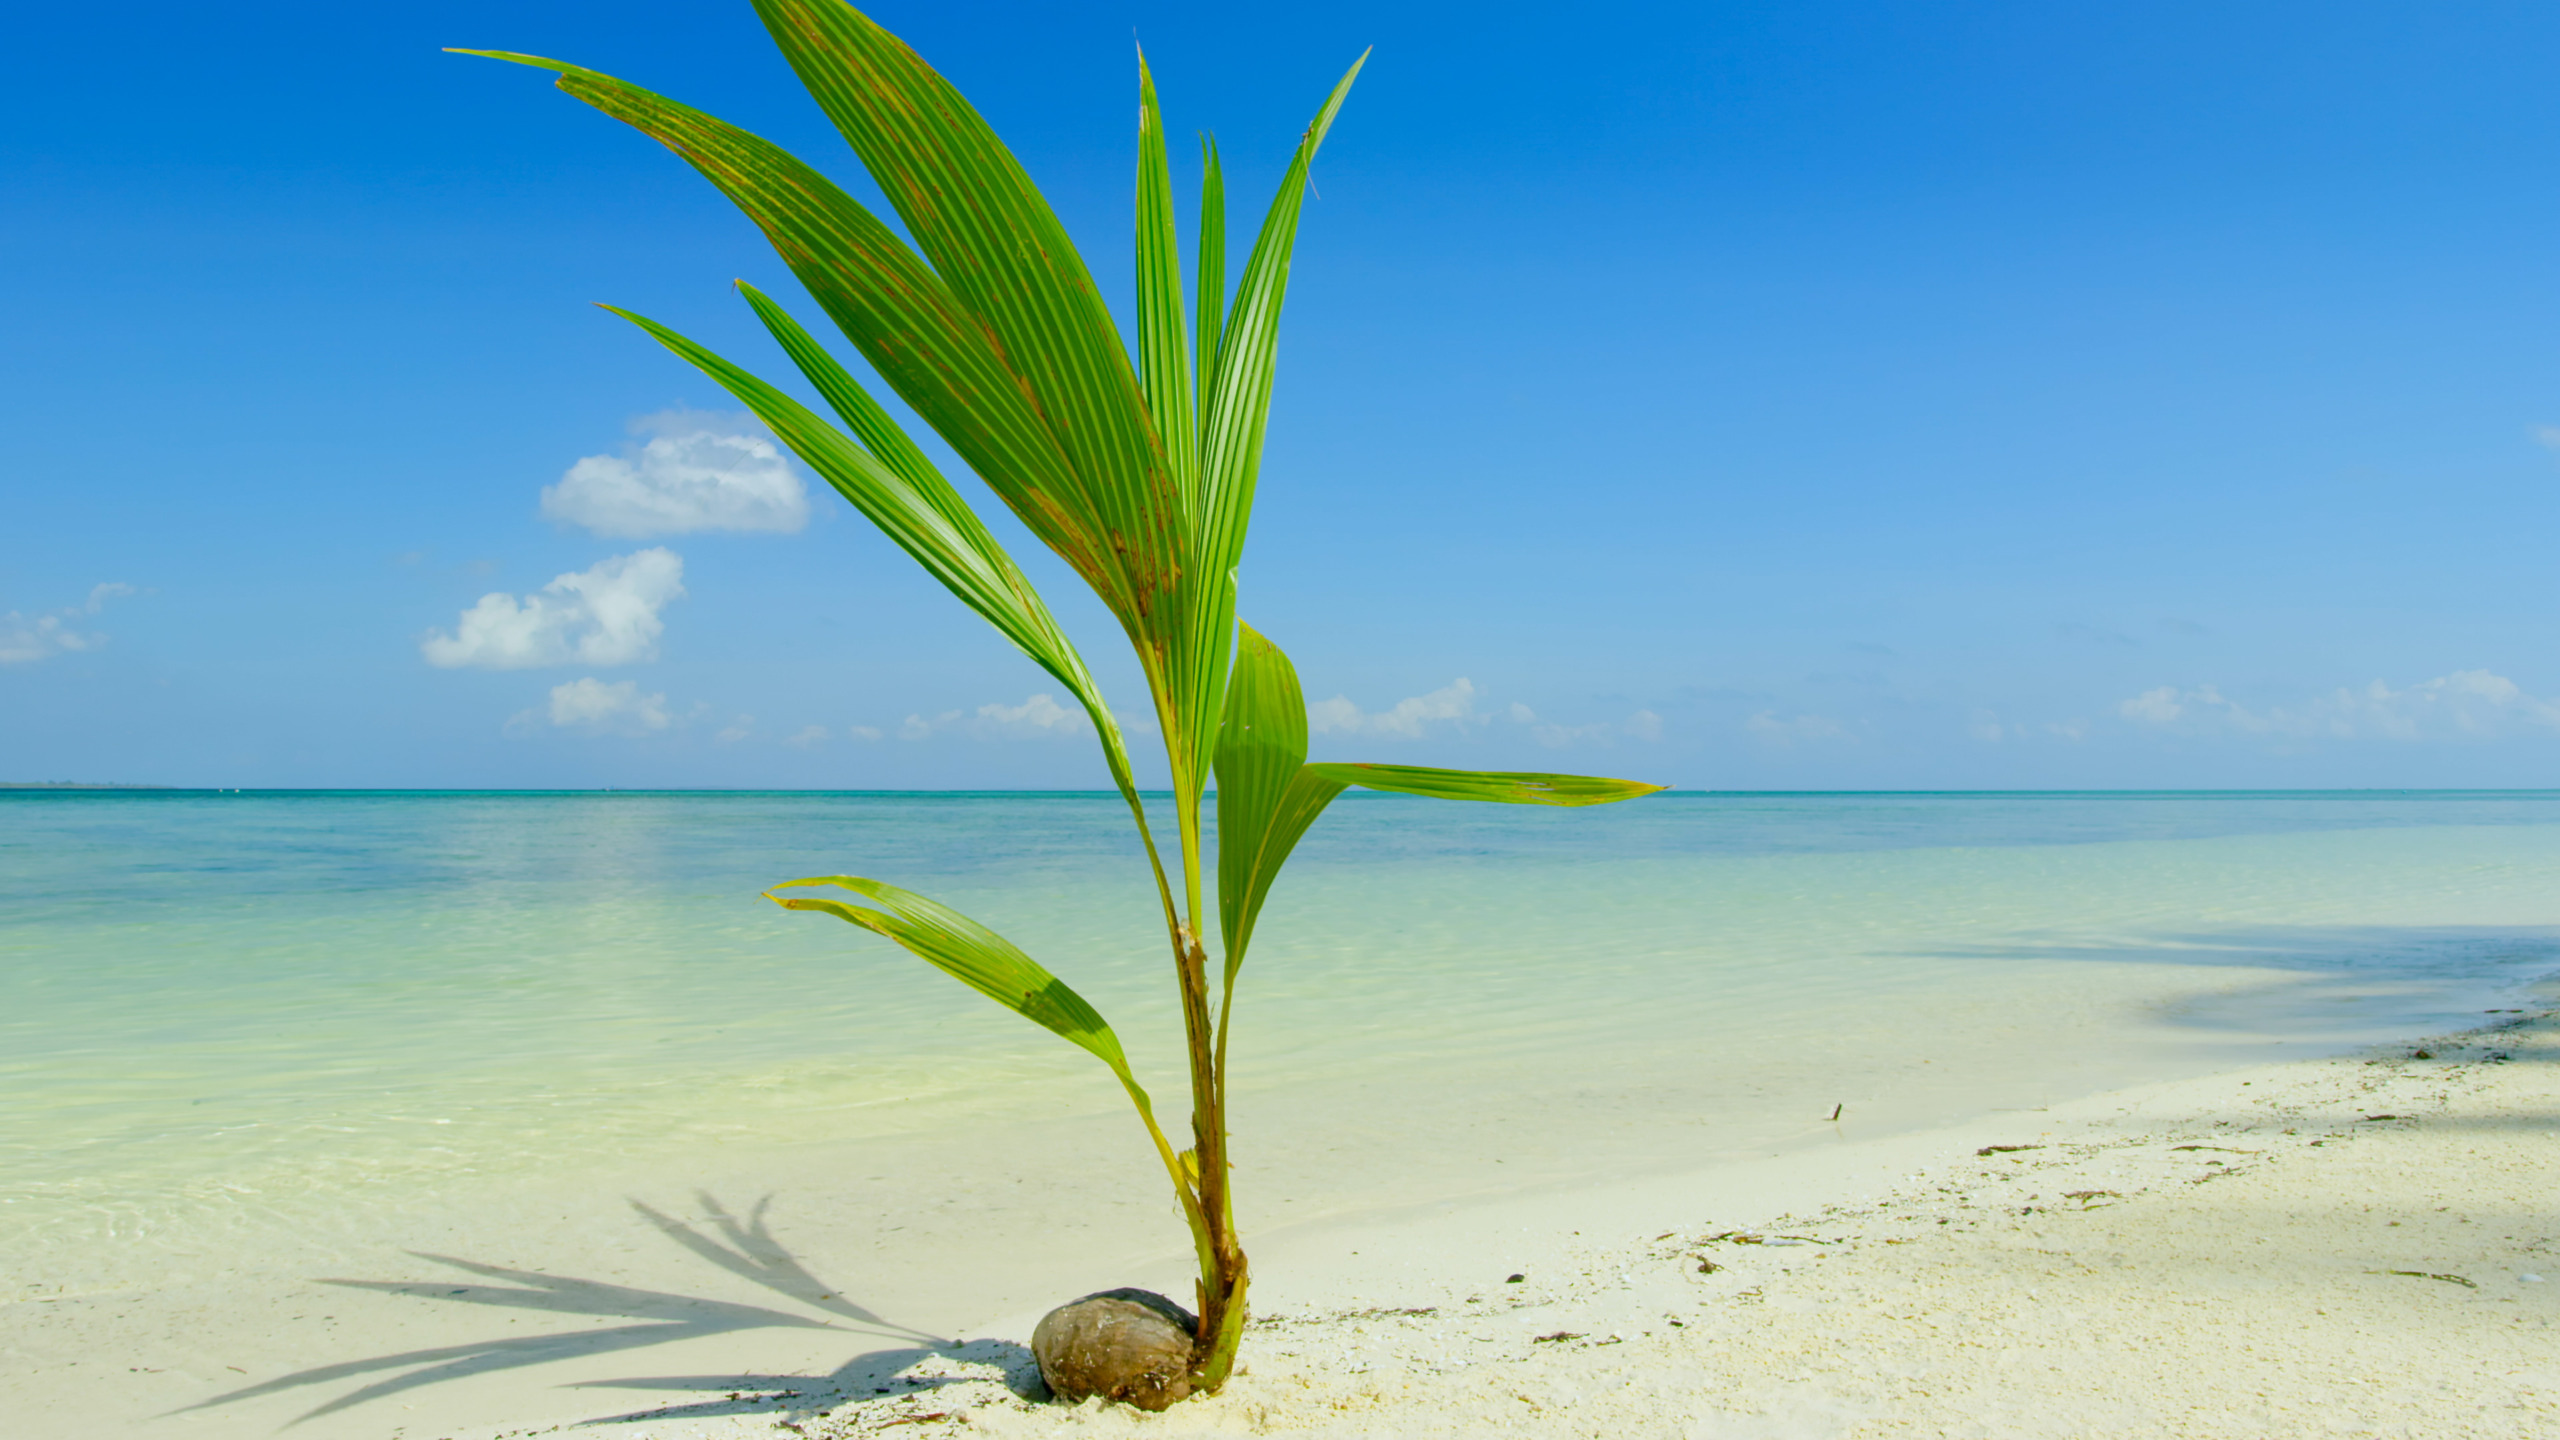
{"x": 1134, "y": 1346}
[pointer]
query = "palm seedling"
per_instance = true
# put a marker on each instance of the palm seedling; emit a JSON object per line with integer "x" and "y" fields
{"x": 1140, "y": 477}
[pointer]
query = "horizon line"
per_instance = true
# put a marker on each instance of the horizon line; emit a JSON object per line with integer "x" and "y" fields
{"x": 79, "y": 787}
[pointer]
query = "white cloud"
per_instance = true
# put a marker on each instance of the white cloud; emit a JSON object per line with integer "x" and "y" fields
{"x": 1988, "y": 727}
{"x": 695, "y": 471}
{"x": 590, "y": 706}
{"x": 25, "y": 638}
{"x": 808, "y": 736}
{"x": 1327, "y": 716}
{"x": 736, "y": 730}
{"x": 1642, "y": 725}
{"x": 860, "y": 732}
{"x": 1792, "y": 729}
{"x": 1453, "y": 703}
{"x": 1040, "y": 715}
{"x": 606, "y": 615}
{"x": 2466, "y": 704}
{"x": 2157, "y": 707}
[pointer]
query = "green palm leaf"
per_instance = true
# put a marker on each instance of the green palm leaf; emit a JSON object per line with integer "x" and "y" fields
{"x": 1235, "y": 406}
{"x": 863, "y": 415}
{"x": 1266, "y": 796}
{"x": 1164, "y": 359}
{"x": 1510, "y": 787}
{"x": 971, "y": 954}
{"x": 994, "y": 240}
{"x": 996, "y": 968}
{"x": 911, "y": 503}
{"x": 915, "y": 329}
{"x": 1209, "y": 280}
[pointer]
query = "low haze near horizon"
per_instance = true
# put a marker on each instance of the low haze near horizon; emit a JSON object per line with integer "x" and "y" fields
{"x": 1817, "y": 396}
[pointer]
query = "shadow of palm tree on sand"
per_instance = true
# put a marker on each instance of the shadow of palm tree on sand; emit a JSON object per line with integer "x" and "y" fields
{"x": 743, "y": 1247}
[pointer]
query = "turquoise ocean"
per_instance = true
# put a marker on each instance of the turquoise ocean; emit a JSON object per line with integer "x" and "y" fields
{"x": 281, "y": 1005}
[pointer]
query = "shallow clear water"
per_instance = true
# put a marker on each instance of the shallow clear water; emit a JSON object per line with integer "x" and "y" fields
{"x": 305, "y": 996}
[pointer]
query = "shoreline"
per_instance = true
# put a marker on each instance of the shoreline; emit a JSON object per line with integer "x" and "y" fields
{"x": 2336, "y": 1245}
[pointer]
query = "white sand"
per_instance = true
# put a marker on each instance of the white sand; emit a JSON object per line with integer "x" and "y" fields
{"x": 2115, "y": 1280}
{"x": 2244, "y": 1255}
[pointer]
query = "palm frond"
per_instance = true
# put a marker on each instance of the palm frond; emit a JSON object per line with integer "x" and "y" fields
{"x": 1266, "y": 796}
{"x": 1209, "y": 272}
{"x": 911, "y": 503}
{"x": 995, "y": 242}
{"x": 1164, "y": 342}
{"x": 994, "y": 967}
{"x": 1236, "y": 404}
{"x": 1507, "y": 787}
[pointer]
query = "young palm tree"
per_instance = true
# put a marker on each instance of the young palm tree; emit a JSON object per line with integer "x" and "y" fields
{"x": 1139, "y": 476}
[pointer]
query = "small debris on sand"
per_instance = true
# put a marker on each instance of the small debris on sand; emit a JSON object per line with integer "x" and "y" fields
{"x": 2426, "y": 1275}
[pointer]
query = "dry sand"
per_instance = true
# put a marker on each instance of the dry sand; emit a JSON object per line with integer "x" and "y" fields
{"x": 2359, "y": 1246}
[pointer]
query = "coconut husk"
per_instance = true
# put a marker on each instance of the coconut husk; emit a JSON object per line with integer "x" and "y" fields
{"x": 1133, "y": 1346}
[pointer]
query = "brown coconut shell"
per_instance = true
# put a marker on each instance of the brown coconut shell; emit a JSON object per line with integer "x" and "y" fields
{"x": 1133, "y": 1346}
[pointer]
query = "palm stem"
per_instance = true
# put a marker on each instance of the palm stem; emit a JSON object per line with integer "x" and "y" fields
{"x": 1221, "y": 1289}
{"x": 1194, "y": 1210}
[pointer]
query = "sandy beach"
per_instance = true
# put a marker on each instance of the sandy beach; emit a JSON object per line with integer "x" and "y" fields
{"x": 2364, "y": 1244}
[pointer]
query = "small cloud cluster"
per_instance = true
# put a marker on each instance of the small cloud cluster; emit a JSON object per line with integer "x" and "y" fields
{"x": 693, "y": 472}
{"x": 683, "y": 471}
{"x": 2166, "y": 704}
{"x": 809, "y": 736}
{"x": 1642, "y": 725}
{"x": 593, "y": 707}
{"x": 1453, "y": 703}
{"x": 1454, "y": 706}
{"x": 1988, "y": 727}
{"x": 605, "y": 615}
{"x": 1039, "y": 716}
{"x": 2466, "y": 704}
{"x": 1771, "y": 728}
{"x": 26, "y": 638}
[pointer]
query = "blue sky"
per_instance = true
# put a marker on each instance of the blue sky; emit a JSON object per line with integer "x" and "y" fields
{"x": 1806, "y": 395}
